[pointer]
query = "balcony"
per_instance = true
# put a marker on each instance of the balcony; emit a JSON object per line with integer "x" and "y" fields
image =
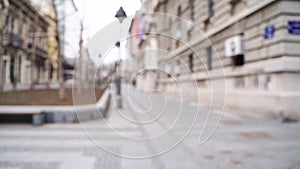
{"x": 38, "y": 51}
{"x": 41, "y": 52}
{"x": 13, "y": 40}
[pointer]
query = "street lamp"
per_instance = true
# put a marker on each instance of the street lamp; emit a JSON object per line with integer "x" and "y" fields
{"x": 118, "y": 45}
{"x": 120, "y": 15}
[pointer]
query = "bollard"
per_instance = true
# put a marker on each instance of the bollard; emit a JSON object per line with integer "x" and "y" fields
{"x": 118, "y": 81}
{"x": 38, "y": 119}
{"x": 119, "y": 101}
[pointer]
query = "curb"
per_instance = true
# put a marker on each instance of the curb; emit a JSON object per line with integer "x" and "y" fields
{"x": 66, "y": 114}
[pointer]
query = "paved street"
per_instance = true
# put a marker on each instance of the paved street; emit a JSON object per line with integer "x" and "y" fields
{"x": 239, "y": 142}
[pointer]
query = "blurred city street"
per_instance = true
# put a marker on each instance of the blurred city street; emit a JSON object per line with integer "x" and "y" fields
{"x": 149, "y": 84}
{"x": 239, "y": 142}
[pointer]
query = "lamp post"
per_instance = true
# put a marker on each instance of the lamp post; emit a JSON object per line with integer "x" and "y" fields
{"x": 120, "y": 15}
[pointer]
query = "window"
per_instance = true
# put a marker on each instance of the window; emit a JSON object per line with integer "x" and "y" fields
{"x": 206, "y": 24}
{"x": 210, "y": 8}
{"x": 191, "y": 63}
{"x": 179, "y": 11}
{"x": 177, "y": 43}
{"x": 240, "y": 82}
{"x": 189, "y": 35}
{"x": 12, "y": 24}
{"x": 7, "y": 20}
{"x": 209, "y": 57}
{"x": 19, "y": 68}
{"x": 238, "y": 60}
{"x": 267, "y": 82}
{"x": 192, "y": 15}
{"x": 236, "y": 6}
{"x": 169, "y": 39}
{"x": 177, "y": 68}
{"x": 192, "y": 3}
{"x": 12, "y": 69}
{"x": 178, "y": 30}
{"x": 207, "y": 21}
{"x": 255, "y": 81}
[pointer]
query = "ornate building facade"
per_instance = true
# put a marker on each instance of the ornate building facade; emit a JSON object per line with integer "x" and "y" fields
{"x": 24, "y": 45}
{"x": 254, "y": 43}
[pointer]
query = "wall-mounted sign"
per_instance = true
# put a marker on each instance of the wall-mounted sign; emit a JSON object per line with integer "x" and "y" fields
{"x": 234, "y": 46}
{"x": 269, "y": 32}
{"x": 294, "y": 27}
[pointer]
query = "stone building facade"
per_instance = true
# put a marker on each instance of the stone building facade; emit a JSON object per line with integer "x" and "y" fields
{"x": 47, "y": 9}
{"x": 254, "y": 43}
{"x": 24, "y": 45}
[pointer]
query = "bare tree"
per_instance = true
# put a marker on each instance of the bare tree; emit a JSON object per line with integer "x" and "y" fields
{"x": 80, "y": 78}
{"x": 61, "y": 92}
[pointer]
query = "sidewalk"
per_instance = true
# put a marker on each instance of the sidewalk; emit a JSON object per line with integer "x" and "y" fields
{"x": 239, "y": 142}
